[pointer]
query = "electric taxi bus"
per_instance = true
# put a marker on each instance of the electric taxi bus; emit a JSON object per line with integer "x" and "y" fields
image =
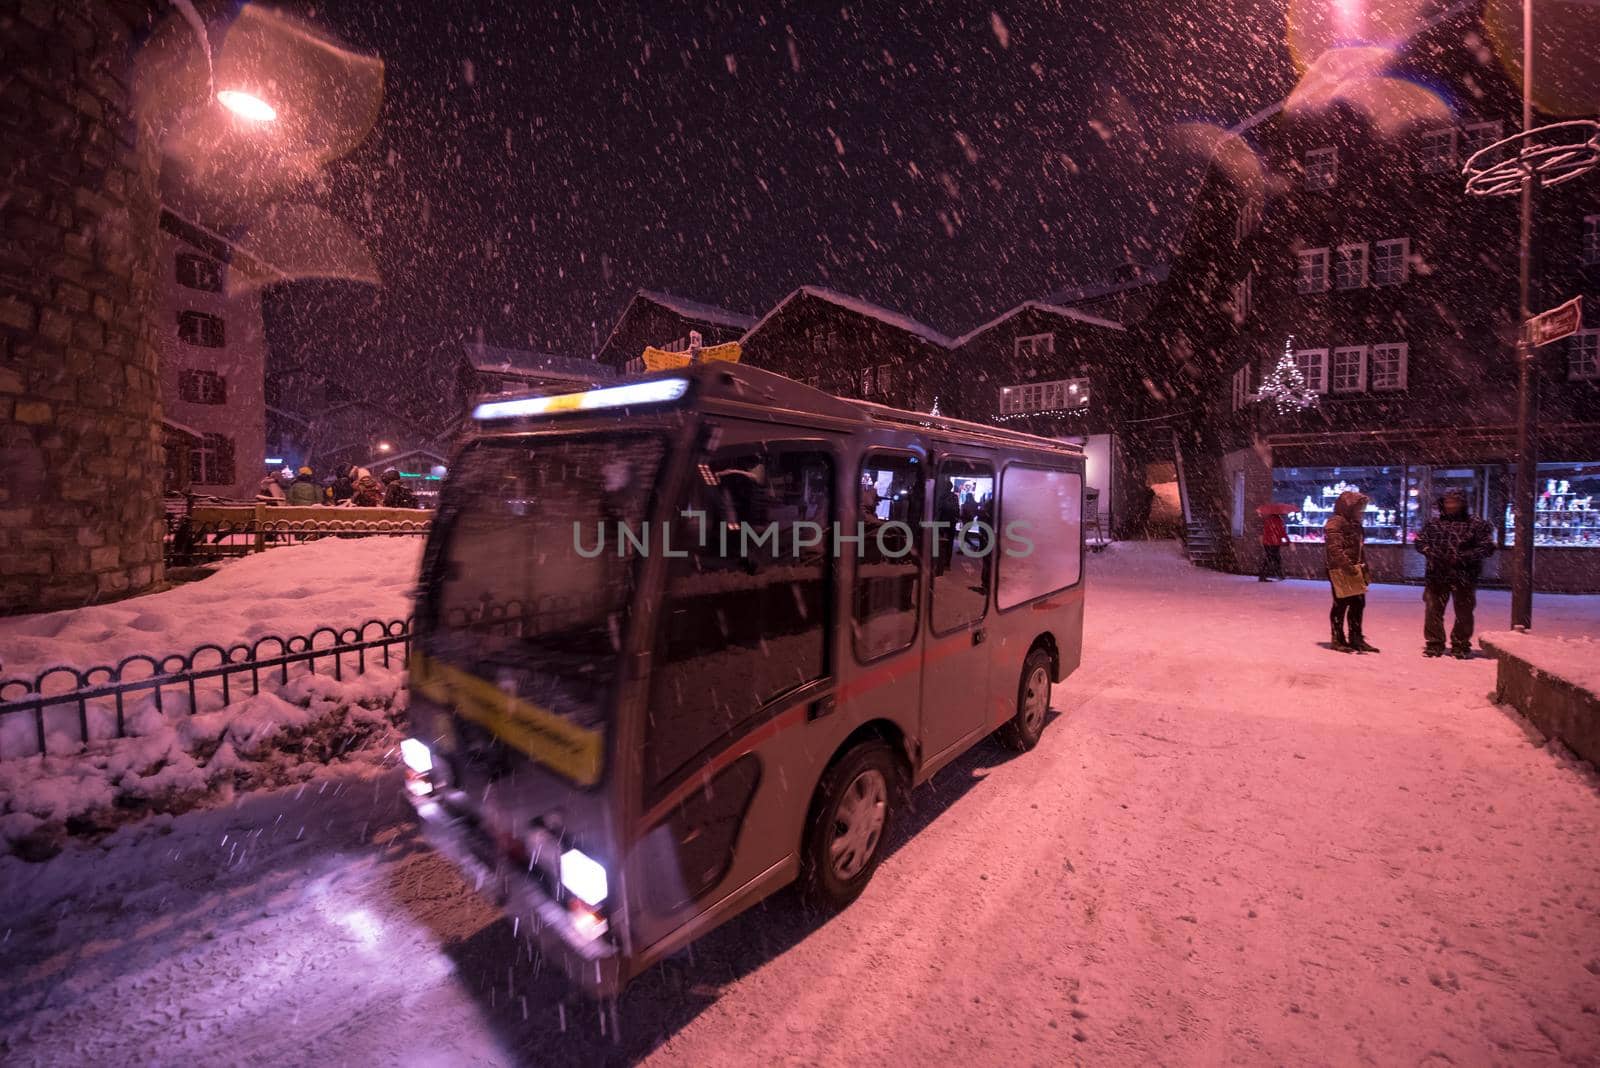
{"x": 685, "y": 640}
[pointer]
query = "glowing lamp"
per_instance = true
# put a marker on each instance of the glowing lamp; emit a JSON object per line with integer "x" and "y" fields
{"x": 247, "y": 105}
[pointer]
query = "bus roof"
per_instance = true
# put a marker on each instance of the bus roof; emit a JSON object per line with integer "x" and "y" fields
{"x": 764, "y": 393}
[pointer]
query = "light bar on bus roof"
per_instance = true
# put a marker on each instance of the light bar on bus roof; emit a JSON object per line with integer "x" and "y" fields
{"x": 658, "y": 392}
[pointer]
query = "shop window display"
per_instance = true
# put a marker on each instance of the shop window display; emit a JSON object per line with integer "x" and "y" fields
{"x": 1566, "y": 511}
{"x": 1313, "y": 490}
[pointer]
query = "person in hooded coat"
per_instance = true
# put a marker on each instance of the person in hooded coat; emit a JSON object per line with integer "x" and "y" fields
{"x": 1274, "y": 536}
{"x": 396, "y": 494}
{"x": 368, "y": 491}
{"x": 1345, "y": 545}
{"x": 344, "y": 487}
{"x": 1455, "y": 544}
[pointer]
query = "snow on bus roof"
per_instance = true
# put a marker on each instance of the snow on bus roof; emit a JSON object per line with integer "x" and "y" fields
{"x": 861, "y": 307}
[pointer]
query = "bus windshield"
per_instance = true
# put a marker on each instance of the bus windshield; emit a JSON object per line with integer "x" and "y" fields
{"x": 529, "y": 590}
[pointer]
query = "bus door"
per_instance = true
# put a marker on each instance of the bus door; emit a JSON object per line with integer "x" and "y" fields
{"x": 955, "y": 672}
{"x": 886, "y": 595}
{"x": 740, "y": 665}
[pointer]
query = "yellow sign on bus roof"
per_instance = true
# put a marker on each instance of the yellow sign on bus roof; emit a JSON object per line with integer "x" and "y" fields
{"x": 661, "y": 360}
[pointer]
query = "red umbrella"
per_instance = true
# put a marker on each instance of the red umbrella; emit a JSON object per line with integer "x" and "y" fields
{"x": 1276, "y": 508}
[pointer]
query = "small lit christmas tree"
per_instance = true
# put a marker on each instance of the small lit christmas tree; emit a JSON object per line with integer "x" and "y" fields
{"x": 1285, "y": 387}
{"x": 935, "y": 410}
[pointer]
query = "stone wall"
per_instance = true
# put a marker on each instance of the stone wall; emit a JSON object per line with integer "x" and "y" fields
{"x": 80, "y": 408}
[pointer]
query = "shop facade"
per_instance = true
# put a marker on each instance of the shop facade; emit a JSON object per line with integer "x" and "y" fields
{"x": 1404, "y": 480}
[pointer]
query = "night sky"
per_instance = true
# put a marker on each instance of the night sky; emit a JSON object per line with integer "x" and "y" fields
{"x": 532, "y": 165}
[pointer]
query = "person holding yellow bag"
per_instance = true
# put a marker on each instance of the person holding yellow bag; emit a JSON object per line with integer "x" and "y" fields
{"x": 1348, "y": 574}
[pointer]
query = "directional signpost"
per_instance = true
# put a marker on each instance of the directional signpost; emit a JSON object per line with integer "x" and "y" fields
{"x": 1556, "y": 323}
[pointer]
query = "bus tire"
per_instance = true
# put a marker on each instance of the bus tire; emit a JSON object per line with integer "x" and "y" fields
{"x": 851, "y": 816}
{"x": 1021, "y": 732}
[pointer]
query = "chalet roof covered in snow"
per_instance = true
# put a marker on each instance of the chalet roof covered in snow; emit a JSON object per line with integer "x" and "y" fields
{"x": 697, "y": 311}
{"x": 1040, "y": 306}
{"x": 491, "y": 359}
{"x": 861, "y": 307}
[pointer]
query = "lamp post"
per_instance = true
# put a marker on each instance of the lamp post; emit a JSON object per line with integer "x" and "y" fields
{"x": 1533, "y": 159}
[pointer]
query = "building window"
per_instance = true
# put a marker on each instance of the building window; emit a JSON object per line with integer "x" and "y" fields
{"x": 1313, "y": 275}
{"x": 1067, "y": 394}
{"x": 211, "y": 461}
{"x": 1322, "y": 168}
{"x": 1389, "y": 261}
{"x": 1386, "y": 367}
{"x": 1436, "y": 153}
{"x": 1313, "y": 364}
{"x": 1478, "y": 136}
{"x": 198, "y": 328}
{"x": 1241, "y": 387}
{"x": 1350, "y": 270}
{"x": 202, "y": 387}
{"x": 1249, "y": 214}
{"x": 1591, "y": 240}
{"x": 1348, "y": 370}
{"x": 1583, "y": 357}
{"x": 824, "y": 341}
{"x": 1242, "y": 292}
{"x": 199, "y": 272}
{"x": 1034, "y": 346}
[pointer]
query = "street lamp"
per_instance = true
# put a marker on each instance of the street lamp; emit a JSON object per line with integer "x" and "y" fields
{"x": 384, "y": 446}
{"x": 247, "y": 105}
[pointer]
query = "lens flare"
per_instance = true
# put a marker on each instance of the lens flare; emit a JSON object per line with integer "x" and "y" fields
{"x": 247, "y": 105}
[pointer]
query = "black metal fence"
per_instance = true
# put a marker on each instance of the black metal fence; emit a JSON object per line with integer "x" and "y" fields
{"x": 86, "y": 697}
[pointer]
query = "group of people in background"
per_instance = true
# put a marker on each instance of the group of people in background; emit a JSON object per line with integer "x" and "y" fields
{"x": 1455, "y": 543}
{"x": 353, "y": 487}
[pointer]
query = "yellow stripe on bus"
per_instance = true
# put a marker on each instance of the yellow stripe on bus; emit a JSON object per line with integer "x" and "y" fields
{"x": 574, "y": 751}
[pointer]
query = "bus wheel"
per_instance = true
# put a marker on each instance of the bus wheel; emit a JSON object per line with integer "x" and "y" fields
{"x": 850, "y": 821}
{"x": 1022, "y": 730}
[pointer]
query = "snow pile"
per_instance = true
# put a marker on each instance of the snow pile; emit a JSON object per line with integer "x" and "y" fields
{"x": 176, "y": 760}
{"x": 1574, "y": 659}
{"x": 336, "y": 582}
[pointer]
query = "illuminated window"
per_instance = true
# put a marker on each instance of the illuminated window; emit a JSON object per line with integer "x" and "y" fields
{"x": 1313, "y": 273}
{"x": 1065, "y": 394}
{"x": 1350, "y": 269}
{"x": 1348, "y": 370}
{"x": 1322, "y": 168}
{"x": 1591, "y": 240}
{"x": 1386, "y": 366}
{"x": 1389, "y": 261}
{"x": 1436, "y": 152}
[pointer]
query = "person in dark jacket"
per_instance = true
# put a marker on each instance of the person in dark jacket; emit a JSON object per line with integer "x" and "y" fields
{"x": 368, "y": 491}
{"x": 1346, "y": 538}
{"x": 344, "y": 487}
{"x": 1273, "y": 537}
{"x": 1455, "y": 545}
{"x": 396, "y": 494}
{"x": 304, "y": 489}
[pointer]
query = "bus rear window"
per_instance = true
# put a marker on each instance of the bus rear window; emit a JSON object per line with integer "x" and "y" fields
{"x": 1042, "y": 533}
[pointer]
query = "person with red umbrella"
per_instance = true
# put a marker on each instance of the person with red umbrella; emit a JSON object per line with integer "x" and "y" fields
{"x": 1274, "y": 535}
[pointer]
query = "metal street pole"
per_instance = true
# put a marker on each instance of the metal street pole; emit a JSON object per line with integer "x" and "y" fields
{"x": 1527, "y": 365}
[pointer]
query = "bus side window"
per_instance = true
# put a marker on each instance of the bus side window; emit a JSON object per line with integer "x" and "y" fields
{"x": 889, "y": 558}
{"x": 964, "y": 543}
{"x": 1041, "y": 533}
{"x": 744, "y": 618}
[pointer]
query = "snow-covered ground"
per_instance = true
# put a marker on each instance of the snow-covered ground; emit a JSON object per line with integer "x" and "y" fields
{"x": 1232, "y": 845}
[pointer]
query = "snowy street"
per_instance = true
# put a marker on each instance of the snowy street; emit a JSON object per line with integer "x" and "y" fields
{"x": 1232, "y": 845}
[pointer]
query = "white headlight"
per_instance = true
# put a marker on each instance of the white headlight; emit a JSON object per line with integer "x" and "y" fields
{"x": 416, "y": 756}
{"x": 584, "y": 877}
